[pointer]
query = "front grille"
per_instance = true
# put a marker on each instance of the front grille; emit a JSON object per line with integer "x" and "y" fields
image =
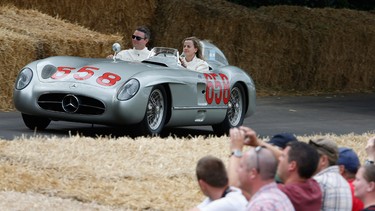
{"x": 87, "y": 105}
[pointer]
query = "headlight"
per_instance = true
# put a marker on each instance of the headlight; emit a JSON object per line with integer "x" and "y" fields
{"x": 24, "y": 78}
{"x": 48, "y": 71}
{"x": 128, "y": 90}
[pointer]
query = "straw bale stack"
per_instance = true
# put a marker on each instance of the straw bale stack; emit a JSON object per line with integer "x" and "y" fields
{"x": 320, "y": 49}
{"x": 27, "y": 35}
{"x": 16, "y": 50}
{"x": 282, "y": 47}
{"x": 57, "y": 36}
{"x": 109, "y": 17}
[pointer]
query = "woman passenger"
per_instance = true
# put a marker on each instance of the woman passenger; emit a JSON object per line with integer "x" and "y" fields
{"x": 192, "y": 57}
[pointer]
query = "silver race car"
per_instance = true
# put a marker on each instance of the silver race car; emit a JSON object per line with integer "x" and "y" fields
{"x": 148, "y": 95}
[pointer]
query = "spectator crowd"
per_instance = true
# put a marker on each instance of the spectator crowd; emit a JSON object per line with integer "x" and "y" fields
{"x": 287, "y": 174}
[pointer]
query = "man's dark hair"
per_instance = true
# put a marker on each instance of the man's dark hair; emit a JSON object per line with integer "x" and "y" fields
{"x": 212, "y": 170}
{"x": 306, "y": 157}
{"x": 145, "y": 30}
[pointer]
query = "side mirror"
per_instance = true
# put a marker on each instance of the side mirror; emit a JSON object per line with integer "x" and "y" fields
{"x": 116, "y": 47}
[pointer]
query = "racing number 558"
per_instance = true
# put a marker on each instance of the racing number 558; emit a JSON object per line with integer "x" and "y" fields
{"x": 220, "y": 83}
{"x": 86, "y": 72}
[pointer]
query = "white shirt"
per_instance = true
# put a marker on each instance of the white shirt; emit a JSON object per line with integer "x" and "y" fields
{"x": 133, "y": 55}
{"x": 196, "y": 64}
{"x": 233, "y": 200}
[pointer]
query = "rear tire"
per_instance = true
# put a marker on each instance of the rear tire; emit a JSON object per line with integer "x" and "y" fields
{"x": 156, "y": 112}
{"x": 35, "y": 122}
{"x": 235, "y": 113}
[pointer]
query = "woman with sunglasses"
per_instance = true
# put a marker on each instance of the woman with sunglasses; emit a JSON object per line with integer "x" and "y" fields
{"x": 192, "y": 57}
{"x": 139, "y": 52}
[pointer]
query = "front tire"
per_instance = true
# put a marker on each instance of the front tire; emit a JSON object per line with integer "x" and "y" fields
{"x": 156, "y": 112}
{"x": 35, "y": 122}
{"x": 235, "y": 113}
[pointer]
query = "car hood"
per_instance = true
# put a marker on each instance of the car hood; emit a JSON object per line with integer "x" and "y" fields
{"x": 98, "y": 72}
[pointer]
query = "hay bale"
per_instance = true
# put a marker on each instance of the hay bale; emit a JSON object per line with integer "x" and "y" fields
{"x": 57, "y": 37}
{"x": 332, "y": 49}
{"x": 109, "y": 17}
{"x": 119, "y": 173}
{"x": 282, "y": 47}
{"x": 27, "y": 35}
{"x": 16, "y": 50}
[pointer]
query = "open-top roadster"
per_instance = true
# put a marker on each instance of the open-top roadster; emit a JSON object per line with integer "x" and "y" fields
{"x": 148, "y": 95}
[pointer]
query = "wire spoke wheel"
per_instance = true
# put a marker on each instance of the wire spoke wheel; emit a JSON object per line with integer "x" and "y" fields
{"x": 155, "y": 109}
{"x": 235, "y": 107}
{"x": 235, "y": 112}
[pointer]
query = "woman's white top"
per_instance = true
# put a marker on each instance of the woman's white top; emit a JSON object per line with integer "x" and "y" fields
{"x": 196, "y": 64}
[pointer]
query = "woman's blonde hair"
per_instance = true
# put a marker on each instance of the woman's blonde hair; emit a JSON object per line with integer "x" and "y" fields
{"x": 197, "y": 44}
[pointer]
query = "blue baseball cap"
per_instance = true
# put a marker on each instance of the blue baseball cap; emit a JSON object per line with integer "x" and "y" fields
{"x": 349, "y": 159}
{"x": 282, "y": 139}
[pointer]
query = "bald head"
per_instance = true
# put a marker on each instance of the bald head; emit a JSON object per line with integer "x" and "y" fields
{"x": 263, "y": 160}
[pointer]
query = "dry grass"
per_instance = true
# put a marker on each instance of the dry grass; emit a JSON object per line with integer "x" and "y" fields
{"x": 80, "y": 173}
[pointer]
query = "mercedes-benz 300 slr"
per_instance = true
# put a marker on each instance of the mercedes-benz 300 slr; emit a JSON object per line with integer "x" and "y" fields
{"x": 149, "y": 95}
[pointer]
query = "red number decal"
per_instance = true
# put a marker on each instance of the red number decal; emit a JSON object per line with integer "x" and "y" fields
{"x": 108, "y": 79}
{"x": 221, "y": 84}
{"x": 62, "y": 72}
{"x": 217, "y": 86}
{"x": 226, "y": 91}
{"x": 209, "y": 88}
{"x": 88, "y": 73}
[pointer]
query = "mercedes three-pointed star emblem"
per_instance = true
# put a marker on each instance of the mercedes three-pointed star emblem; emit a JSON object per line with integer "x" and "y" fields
{"x": 70, "y": 103}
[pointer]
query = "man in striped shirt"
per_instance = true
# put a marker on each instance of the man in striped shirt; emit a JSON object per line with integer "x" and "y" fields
{"x": 335, "y": 188}
{"x": 254, "y": 174}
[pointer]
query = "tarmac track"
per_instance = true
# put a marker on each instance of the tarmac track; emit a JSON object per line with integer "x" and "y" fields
{"x": 302, "y": 115}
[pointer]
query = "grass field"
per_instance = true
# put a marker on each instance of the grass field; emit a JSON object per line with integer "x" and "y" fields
{"x": 103, "y": 173}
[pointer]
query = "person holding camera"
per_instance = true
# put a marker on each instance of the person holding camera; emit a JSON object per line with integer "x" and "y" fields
{"x": 254, "y": 172}
{"x": 296, "y": 165}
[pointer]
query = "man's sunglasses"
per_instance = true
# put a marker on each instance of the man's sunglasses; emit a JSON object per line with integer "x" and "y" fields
{"x": 138, "y": 38}
{"x": 257, "y": 150}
